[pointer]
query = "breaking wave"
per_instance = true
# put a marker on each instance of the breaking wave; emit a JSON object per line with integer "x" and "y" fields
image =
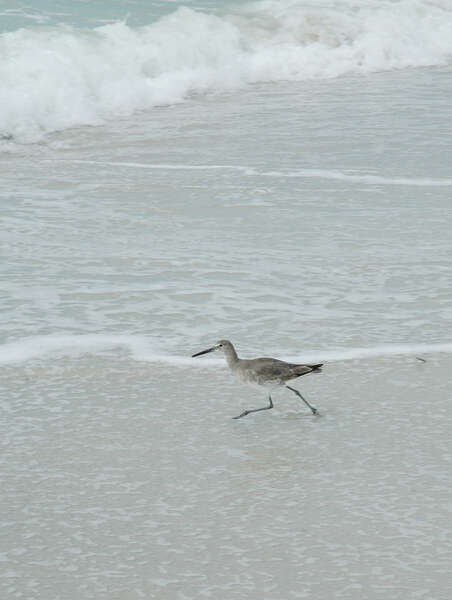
{"x": 60, "y": 77}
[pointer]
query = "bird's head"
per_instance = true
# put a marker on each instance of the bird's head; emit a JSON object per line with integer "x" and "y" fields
{"x": 220, "y": 346}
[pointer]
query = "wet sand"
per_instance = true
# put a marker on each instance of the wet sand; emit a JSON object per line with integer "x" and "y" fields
{"x": 128, "y": 480}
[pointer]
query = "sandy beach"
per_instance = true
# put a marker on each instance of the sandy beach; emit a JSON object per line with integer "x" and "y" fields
{"x": 125, "y": 480}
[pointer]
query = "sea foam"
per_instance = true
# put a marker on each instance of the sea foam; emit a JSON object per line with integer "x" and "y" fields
{"x": 60, "y": 77}
{"x": 353, "y": 177}
{"x": 142, "y": 349}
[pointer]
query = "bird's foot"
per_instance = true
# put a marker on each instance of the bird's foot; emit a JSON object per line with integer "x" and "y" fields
{"x": 246, "y": 412}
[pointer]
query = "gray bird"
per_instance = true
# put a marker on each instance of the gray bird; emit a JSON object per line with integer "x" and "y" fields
{"x": 269, "y": 373}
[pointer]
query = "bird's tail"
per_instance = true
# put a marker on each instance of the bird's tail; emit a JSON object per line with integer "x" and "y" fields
{"x": 300, "y": 370}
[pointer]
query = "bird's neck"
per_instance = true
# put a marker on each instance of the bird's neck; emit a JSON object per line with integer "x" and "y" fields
{"x": 231, "y": 356}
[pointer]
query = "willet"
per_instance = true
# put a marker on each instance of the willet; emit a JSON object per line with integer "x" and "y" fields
{"x": 269, "y": 373}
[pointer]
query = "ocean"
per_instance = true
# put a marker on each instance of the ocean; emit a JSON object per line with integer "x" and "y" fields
{"x": 276, "y": 173}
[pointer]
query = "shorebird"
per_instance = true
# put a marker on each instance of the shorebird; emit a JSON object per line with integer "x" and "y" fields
{"x": 269, "y": 373}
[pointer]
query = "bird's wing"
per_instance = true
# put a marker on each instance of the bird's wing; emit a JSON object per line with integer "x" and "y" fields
{"x": 271, "y": 368}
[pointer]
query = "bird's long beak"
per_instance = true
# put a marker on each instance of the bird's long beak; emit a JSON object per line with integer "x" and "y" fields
{"x": 204, "y": 352}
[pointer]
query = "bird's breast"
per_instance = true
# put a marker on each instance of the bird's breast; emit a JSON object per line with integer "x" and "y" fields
{"x": 254, "y": 379}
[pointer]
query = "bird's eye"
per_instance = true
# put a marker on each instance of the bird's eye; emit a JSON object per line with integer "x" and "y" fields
{"x": 220, "y": 345}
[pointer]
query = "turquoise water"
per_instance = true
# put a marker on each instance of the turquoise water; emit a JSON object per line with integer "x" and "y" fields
{"x": 85, "y": 13}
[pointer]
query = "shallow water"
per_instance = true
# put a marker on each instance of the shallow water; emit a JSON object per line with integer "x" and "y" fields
{"x": 294, "y": 226}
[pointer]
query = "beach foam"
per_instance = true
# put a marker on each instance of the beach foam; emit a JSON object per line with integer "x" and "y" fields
{"x": 142, "y": 349}
{"x": 59, "y": 77}
{"x": 352, "y": 177}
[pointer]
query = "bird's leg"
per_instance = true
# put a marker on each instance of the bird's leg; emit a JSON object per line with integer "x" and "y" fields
{"x": 314, "y": 410}
{"x": 247, "y": 412}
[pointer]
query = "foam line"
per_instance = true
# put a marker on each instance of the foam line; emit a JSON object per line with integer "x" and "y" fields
{"x": 42, "y": 346}
{"x": 163, "y": 166}
{"x": 302, "y": 173}
{"x": 375, "y": 352}
{"x": 361, "y": 178}
{"x": 140, "y": 348}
